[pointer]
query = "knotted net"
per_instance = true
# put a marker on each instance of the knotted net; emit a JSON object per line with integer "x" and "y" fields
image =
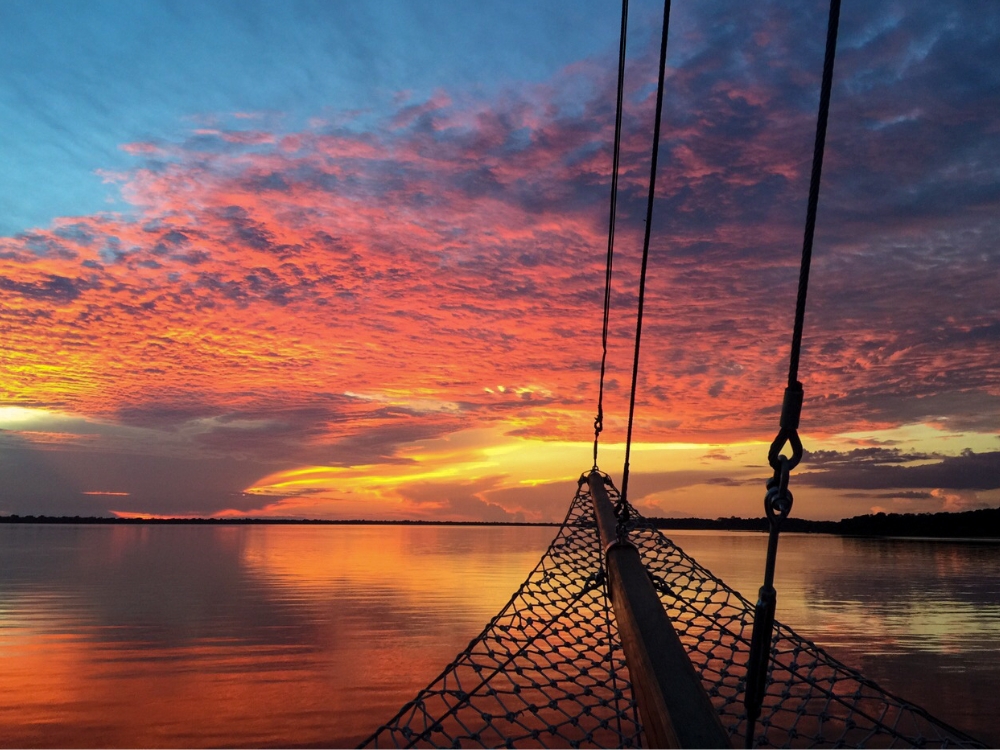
{"x": 549, "y": 670}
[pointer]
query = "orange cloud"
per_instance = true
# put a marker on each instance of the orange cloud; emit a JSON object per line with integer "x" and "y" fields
{"x": 326, "y": 297}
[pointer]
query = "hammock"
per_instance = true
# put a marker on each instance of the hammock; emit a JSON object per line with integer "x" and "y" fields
{"x": 549, "y": 671}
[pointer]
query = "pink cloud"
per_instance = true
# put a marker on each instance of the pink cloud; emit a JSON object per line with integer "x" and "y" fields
{"x": 419, "y": 263}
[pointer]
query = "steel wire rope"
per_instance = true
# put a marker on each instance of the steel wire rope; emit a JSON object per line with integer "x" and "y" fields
{"x": 599, "y": 419}
{"x": 814, "y": 182}
{"x": 778, "y": 500}
{"x": 645, "y": 253}
{"x": 609, "y": 264}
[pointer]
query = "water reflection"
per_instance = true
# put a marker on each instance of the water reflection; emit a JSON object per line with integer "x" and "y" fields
{"x": 199, "y": 636}
{"x": 922, "y": 618}
{"x": 303, "y": 635}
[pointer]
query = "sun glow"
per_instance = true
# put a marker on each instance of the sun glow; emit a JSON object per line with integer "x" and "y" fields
{"x": 485, "y": 465}
{"x": 20, "y": 418}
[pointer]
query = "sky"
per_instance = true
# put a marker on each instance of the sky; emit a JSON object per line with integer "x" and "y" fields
{"x": 334, "y": 260}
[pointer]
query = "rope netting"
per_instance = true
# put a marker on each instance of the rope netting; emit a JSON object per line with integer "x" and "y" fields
{"x": 549, "y": 671}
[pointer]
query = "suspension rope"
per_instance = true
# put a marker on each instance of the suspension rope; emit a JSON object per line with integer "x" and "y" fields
{"x": 817, "y": 169}
{"x": 778, "y": 500}
{"x": 599, "y": 419}
{"x": 645, "y": 248}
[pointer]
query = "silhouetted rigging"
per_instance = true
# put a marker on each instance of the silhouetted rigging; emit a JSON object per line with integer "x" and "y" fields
{"x": 549, "y": 669}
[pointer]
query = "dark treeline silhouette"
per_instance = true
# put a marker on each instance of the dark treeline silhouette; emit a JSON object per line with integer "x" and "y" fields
{"x": 968, "y": 524}
{"x": 735, "y": 523}
{"x": 971, "y": 523}
{"x": 253, "y": 521}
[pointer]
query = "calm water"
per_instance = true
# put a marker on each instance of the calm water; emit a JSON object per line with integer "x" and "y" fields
{"x": 301, "y": 635}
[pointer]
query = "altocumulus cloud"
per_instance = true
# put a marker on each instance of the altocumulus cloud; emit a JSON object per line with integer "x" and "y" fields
{"x": 262, "y": 275}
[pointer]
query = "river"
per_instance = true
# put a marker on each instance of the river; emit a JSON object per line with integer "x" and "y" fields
{"x": 168, "y": 636}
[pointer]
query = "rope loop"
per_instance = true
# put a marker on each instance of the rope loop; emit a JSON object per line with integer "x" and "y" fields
{"x": 778, "y": 500}
{"x": 791, "y": 411}
{"x": 598, "y": 429}
{"x": 774, "y": 457}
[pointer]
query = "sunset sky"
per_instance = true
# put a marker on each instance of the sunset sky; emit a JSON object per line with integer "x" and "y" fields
{"x": 346, "y": 260}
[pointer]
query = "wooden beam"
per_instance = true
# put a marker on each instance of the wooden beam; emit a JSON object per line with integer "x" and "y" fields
{"x": 676, "y": 711}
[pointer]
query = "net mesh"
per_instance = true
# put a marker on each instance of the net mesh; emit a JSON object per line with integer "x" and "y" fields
{"x": 549, "y": 671}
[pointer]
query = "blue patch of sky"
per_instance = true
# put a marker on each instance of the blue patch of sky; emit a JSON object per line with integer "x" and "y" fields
{"x": 81, "y": 79}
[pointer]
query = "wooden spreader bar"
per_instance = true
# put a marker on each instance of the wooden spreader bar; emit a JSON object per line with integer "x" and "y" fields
{"x": 676, "y": 711}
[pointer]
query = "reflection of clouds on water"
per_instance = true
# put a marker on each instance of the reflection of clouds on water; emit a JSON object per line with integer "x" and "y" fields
{"x": 140, "y": 584}
{"x": 924, "y": 595}
{"x": 192, "y": 635}
{"x": 959, "y": 689}
{"x": 270, "y": 633}
{"x": 424, "y": 582}
{"x": 921, "y": 618}
{"x": 181, "y": 583}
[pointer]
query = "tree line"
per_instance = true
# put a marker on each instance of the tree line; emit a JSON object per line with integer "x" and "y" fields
{"x": 982, "y": 524}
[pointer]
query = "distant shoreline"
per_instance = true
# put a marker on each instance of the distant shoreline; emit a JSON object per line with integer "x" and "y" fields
{"x": 12, "y": 519}
{"x": 971, "y": 524}
{"x": 967, "y": 525}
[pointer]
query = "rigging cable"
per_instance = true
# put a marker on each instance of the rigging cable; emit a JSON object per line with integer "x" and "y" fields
{"x": 645, "y": 258}
{"x": 778, "y": 500}
{"x": 599, "y": 419}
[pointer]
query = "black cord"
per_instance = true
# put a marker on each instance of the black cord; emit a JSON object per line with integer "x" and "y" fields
{"x": 817, "y": 169}
{"x": 599, "y": 419}
{"x": 645, "y": 244}
{"x": 778, "y": 501}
